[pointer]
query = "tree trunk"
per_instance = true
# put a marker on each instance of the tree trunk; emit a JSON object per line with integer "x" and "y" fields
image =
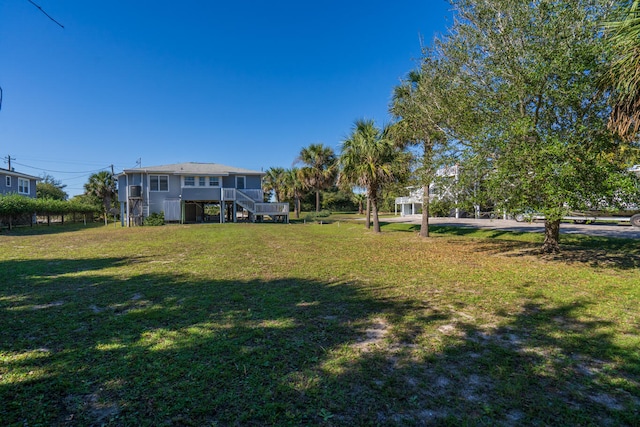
{"x": 296, "y": 206}
{"x": 425, "y": 178}
{"x": 374, "y": 209}
{"x": 424, "y": 226}
{"x": 551, "y": 237}
{"x": 368, "y": 214}
{"x": 317, "y": 200}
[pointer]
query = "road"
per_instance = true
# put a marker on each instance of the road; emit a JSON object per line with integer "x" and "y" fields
{"x": 598, "y": 229}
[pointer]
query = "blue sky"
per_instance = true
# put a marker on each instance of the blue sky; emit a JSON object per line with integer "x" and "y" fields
{"x": 247, "y": 84}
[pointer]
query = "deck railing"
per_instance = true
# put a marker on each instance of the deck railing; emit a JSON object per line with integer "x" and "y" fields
{"x": 252, "y": 201}
{"x": 245, "y": 201}
{"x": 272, "y": 208}
{"x": 404, "y": 200}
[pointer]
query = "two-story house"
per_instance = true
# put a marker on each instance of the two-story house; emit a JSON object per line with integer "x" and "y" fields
{"x": 17, "y": 182}
{"x": 195, "y": 192}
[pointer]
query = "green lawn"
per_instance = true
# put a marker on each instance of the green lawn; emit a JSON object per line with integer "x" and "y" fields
{"x": 309, "y": 324}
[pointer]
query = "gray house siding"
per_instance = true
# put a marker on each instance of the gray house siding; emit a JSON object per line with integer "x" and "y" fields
{"x": 171, "y": 196}
{"x": 13, "y": 186}
{"x": 201, "y": 194}
{"x": 253, "y": 182}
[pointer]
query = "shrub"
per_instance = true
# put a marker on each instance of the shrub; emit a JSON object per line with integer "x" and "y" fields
{"x": 154, "y": 219}
{"x": 313, "y": 216}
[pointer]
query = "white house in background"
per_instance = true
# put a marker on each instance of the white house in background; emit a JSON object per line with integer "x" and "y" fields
{"x": 17, "y": 182}
{"x": 195, "y": 192}
{"x": 443, "y": 188}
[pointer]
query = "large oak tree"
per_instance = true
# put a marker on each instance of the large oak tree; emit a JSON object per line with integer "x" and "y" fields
{"x": 526, "y": 72}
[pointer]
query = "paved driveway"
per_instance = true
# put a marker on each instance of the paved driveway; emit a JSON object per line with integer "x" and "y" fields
{"x": 623, "y": 230}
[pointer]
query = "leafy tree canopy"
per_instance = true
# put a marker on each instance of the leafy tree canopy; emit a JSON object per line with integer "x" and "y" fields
{"x": 527, "y": 104}
{"x": 51, "y": 188}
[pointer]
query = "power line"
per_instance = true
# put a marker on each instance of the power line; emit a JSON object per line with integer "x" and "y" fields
{"x": 46, "y": 14}
{"x": 55, "y": 171}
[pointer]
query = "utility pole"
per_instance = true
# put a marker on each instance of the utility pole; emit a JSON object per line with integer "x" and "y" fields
{"x": 8, "y": 160}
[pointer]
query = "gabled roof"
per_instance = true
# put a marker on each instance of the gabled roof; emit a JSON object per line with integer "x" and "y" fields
{"x": 18, "y": 174}
{"x": 194, "y": 168}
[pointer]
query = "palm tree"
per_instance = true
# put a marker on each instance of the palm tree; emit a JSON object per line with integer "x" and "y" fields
{"x": 274, "y": 180}
{"x": 360, "y": 199}
{"x": 102, "y": 185}
{"x": 367, "y": 160}
{"x": 623, "y": 75}
{"x": 294, "y": 186}
{"x": 421, "y": 107}
{"x": 320, "y": 168}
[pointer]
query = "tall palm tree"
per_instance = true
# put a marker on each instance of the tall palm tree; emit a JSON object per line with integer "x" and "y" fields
{"x": 421, "y": 108}
{"x": 102, "y": 185}
{"x": 623, "y": 75}
{"x": 367, "y": 160}
{"x": 274, "y": 180}
{"x": 319, "y": 172}
{"x": 294, "y": 186}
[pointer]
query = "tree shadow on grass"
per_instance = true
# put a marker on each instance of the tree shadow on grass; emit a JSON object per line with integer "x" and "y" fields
{"x": 44, "y": 229}
{"x": 594, "y": 251}
{"x": 546, "y": 365}
{"x": 83, "y": 346}
{"x": 96, "y": 348}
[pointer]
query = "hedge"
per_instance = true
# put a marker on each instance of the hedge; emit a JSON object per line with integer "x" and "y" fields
{"x": 12, "y": 206}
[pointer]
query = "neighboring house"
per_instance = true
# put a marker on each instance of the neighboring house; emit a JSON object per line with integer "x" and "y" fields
{"x": 19, "y": 183}
{"x": 443, "y": 188}
{"x": 195, "y": 192}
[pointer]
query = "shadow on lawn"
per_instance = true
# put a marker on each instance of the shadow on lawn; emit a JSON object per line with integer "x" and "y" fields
{"x": 44, "y": 229}
{"x": 152, "y": 349}
{"x": 595, "y": 251}
{"x": 163, "y": 349}
{"x": 544, "y": 366}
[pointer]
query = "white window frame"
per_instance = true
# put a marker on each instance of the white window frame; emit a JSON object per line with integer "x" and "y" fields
{"x": 202, "y": 181}
{"x": 21, "y": 186}
{"x": 157, "y": 177}
{"x": 7, "y": 181}
{"x": 217, "y": 178}
{"x": 184, "y": 181}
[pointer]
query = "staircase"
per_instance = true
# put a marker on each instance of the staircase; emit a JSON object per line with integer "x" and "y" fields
{"x": 259, "y": 209}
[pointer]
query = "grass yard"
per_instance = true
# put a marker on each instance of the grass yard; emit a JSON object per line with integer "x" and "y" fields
{"x": 273, "y": 324}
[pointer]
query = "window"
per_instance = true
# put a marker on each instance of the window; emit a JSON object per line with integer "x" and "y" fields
{"x": 202, "y": 181}
{"x": 23, "y": 186}
{"x": 189, "y": 181}
{"x": 8, "y": 181}
{"x": 159, "y": 182}
{"x": 240, "y": 182}
{"x": 214, "y": 181}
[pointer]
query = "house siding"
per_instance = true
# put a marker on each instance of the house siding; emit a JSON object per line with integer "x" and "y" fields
{"x": 201, "y": 194}
{"x": 156, "y": 201}
{"x": 13, "y": 188}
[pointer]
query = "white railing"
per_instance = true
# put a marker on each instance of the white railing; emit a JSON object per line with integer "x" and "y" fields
{"x": 245, "y": 201}
{"x": 251, "y": 200}
{"x": 228, "y": 194}
{"x": 404, "y": 200}
{"x": 272, "y": 208}
{"x": 255, "y": 194}
{"x": 231, "y": 194}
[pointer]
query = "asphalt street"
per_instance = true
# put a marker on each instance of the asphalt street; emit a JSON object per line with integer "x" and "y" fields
{"x": 622, "y": 230}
